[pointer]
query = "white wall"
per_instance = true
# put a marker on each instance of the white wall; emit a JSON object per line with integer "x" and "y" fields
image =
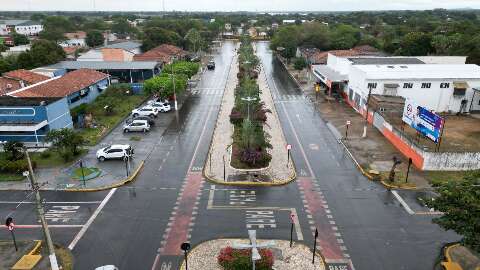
{"x": 29, "y": 30}
{"x": 443, "y": 59}
{"x": 339, "y": 64}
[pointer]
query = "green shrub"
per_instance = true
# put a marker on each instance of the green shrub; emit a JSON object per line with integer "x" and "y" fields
{"x": 45, "y": 154}
{"x": 17, "y": 166}
{"x": 299, "y": 63}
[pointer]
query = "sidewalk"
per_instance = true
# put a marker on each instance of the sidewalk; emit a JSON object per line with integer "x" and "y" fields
{"x": 374, "y": 152}
{"x": 217, "y": 166}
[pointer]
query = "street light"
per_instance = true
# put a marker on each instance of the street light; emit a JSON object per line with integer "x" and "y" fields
{"x": 366, "y": 114}
{"x": 174, "y": 92}
{"x": 248, "y": 100}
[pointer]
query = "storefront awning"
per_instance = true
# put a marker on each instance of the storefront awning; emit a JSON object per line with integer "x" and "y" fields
{"x": 460, "y": 85}
{"x": 325, "y": 73}
{"x": 22, "y": 127}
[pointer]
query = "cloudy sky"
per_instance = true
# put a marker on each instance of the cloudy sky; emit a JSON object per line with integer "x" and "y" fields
{"x": 233, "y": 5}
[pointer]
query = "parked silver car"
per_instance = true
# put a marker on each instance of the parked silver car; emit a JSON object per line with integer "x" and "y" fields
{"x": 137, "y": 125}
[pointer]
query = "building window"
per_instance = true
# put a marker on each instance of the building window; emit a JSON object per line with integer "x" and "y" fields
{"x": 445, "y": 85}
{"x": 408, "y": 85}
{"x": 426, "y": 85}
{"x": 372, "y": 85}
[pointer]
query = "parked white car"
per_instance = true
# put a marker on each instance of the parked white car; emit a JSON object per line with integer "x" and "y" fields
{"x": 137, "y": 125}
{"x": 145, "y": 111}
{"x": 162, "y": 107}
{"x": 114, "y": 151}
{"x": 107, "y": 267}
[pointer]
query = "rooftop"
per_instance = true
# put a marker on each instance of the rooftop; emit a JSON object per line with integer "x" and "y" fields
{"x": 8, "y": 85}
{"x": 31, "y": 101}
{"x": 12, "y": 22}
{"x": 385, "y": 61}
{"x": 27, "y": 23}
{"x": 103, "y": 65}
{"x": 62, "y": 86}
{"x": 426, "y": 71}
{"x": 126, "y": 45}
{"x": 26, "y": 76}
{"x": 162, "y": 53}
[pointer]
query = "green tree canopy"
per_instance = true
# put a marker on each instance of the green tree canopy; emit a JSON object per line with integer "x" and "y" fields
{"x": 416, "y": 43}
{"x": 194, "y": 40}
{"x": 460, "y": 203}
{"x": 94, "y": 38}
{"x": 19, "y": 39}
{"x": 163, "y": 85}
{"x": 43, "y": 52}
{"x": 66, "y": 141}
{"x": 155, "y": 36}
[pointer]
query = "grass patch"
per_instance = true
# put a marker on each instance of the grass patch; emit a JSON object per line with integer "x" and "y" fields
{"x": 105, "y": 122}
{"x": 399, "y": 179}
{"x": 438, "y": 177}
{"x": 86, "y": 171}
{"x": 6, "y": 177}
{"x": 64, "y": 256}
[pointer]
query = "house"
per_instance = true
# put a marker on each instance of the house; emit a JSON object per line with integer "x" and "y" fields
{"x": 7, "y": 40}
{"x": 228, "y": 26}
{"x": 29, "y": 28}
{"x": 14, "y": 80}
{"x": 78, "y": 87}
{"x": 8, "y": 26}
{"x": 107, "y": 54}
{"x": 15, "y": 50}
{"x": 441, "y": 84}
{"x": 75, "y": 39}
{"x": 129, "y": 72}
{"x": 29, "y": 119}
{"x": 130, "y": 46}
{"x": 274, "y": 26}
{"x": 162, "y": 54}
{"x": 252, "y": 32}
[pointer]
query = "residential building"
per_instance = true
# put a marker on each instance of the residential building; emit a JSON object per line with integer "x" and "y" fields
{"x": 130, "y": 46}
{"x": 29, "y": 28}
{"x": 15, "y": 50}
{"x": 75, "y": 39}
{"x": 7, "y": 40}
{"x": 274, "y": 26}
{"x": 78, "y": 87}
{"x": 129, "y": 72}
{"x": 8, "y": 26}
{"x": 29, "y": 119}
{"x": 162, "y": 54}
{"x": 107, "y": 54}
{"x": 14, "y": 80}
{"x": 252, "y": 32}
{"x": 228, "y": 26}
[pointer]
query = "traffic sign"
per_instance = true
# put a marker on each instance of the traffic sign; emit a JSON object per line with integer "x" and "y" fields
{"x": 185, "y": 246}
{"x": 292, "y": 217}
{"x": 289, "y": 146}
{"x": 348, "y": 122}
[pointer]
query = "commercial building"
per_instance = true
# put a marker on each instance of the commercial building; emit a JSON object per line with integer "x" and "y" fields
{"x": 29, "y": 119}
{"x": 441, "y": 84}
{"x": 74, "y": 39}
{"x": 78, "y": 87}
{"x": 29, "y": 28}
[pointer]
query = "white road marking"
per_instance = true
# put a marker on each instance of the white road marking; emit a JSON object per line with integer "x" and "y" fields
{"x": 40, "y": 226}
{"x": 52, "y": 202}
{"x": 402, "y": 202}
{"x": 91, "y": 219}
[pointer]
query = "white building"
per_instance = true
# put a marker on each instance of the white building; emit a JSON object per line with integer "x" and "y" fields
{"x": 441, "y": 84}
{"x": 7, "y": 26}
{"x": 29, "y": 28}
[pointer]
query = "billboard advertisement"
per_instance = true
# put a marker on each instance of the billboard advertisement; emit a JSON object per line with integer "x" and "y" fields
{"x": 424, "y": 121}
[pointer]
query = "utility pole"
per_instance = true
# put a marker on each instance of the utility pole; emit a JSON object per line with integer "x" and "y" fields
{"x": 174, "y": 92}
{"x": 41, "y": 215}
{"x": 366, "y": 115}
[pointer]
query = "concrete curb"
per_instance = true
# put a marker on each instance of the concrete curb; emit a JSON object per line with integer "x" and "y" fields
{"x": 319, "y": 254}
{"x": 30, "y": 259}
{"x": 448, "y": 264}
{"x": 368, "y": 175}
{"x": 118, "y": 184}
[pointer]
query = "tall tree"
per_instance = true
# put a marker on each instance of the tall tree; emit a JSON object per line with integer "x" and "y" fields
{"x": 155, "y": 36}
{"x": 194, "y": 39}
{"x": 19, "y": 39}
{"x": 94, "y": 38}
{"x": 415, "y": 44}
{"x": 460, "y": 203}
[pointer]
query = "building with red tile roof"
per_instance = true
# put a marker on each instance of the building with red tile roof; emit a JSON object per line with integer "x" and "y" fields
{"x": 164, "y": 54}
{"x": 79, "y": 86}
{"x": 27, "y": 76}
{"x": 8, "y": 85}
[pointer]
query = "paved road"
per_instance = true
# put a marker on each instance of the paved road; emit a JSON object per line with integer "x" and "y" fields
{"x": 140, "y": 226}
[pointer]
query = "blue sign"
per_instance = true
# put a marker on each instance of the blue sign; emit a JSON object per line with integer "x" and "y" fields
{"x": 424, "y": 121}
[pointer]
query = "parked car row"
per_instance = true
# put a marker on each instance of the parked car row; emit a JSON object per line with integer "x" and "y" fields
{"x": 142, "y": 120}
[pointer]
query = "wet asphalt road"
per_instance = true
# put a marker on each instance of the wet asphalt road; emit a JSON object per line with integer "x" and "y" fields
{"x": 139, "y": 223}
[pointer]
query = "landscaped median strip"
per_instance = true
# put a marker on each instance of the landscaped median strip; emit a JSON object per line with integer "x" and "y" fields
{"x": 118, "y": 184}
{"x": 30, "y": 260}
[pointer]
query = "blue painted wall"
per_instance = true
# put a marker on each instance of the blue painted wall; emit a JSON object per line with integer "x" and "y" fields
{"x": 92, "y": 92}
{"x": 57, "y": 114}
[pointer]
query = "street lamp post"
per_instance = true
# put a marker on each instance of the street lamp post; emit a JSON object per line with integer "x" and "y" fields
{"x": 248, "y": 100}
{"x": 366, "y": 114}
{"x": 174, "y": 92}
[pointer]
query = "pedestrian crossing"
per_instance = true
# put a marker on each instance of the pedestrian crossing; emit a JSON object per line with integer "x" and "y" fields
{"x": 286, "y": 98}
{"x": 207, "y": 91}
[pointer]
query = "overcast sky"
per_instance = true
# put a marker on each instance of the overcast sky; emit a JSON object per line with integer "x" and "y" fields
{"x": 233, "y": 5}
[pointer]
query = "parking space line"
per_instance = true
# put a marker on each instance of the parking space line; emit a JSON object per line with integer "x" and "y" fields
{"x": 91, "y": 219}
